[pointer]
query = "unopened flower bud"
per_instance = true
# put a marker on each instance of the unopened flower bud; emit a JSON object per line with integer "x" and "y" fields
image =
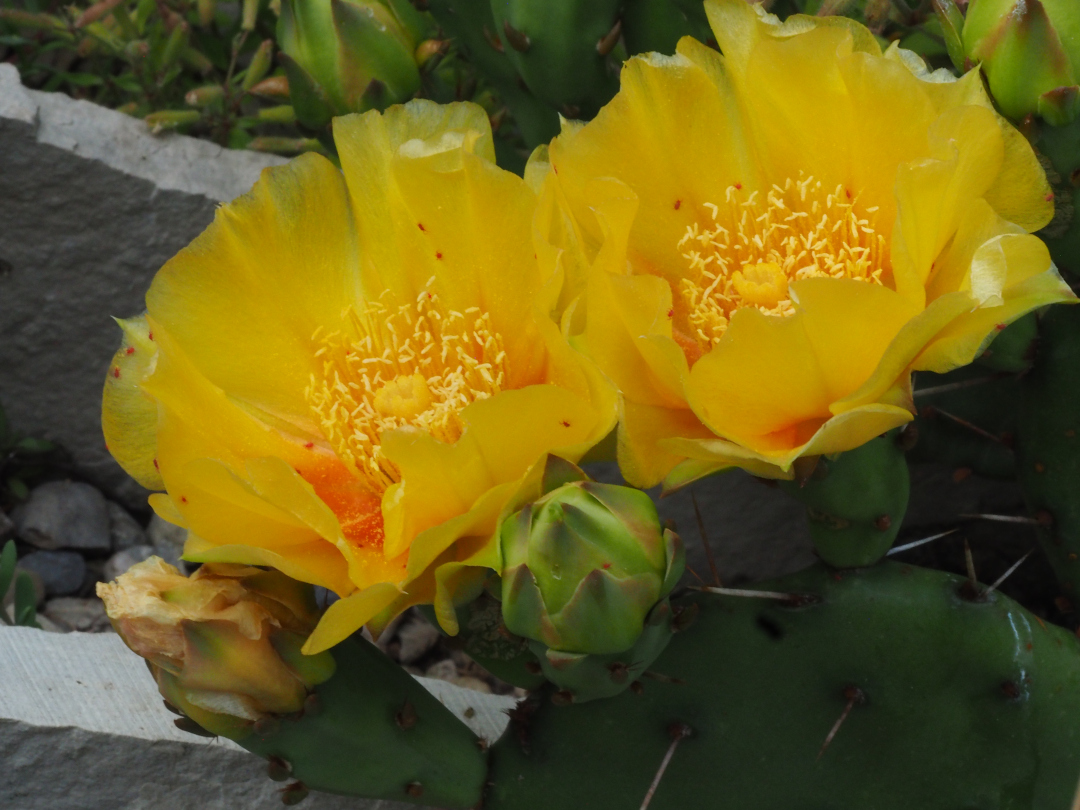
{"x": 1030, "y": 52}
{"x": 345, "y": 56}
{"x": 585, "y": 563}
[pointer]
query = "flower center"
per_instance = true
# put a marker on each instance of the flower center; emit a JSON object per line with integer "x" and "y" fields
{"x": 417, "y": 365}
{"x": 755, "y": 244}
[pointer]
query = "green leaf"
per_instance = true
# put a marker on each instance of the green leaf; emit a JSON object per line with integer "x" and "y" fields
{"x": 7, "y": 572}
{"x": 18, "y": 488}
{"x": 35, "y": 446}
{"x": 25, "y": 601}
{"x": 127, "y": 82}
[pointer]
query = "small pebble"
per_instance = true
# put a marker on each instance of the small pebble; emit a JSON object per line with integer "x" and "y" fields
{"x": 469, "y": 682}
{"x": 417, "y": 638}
{"x": 62, "y": 572}
{"x": 84, "y": 615}
{"x": 124, "y": 530}
{"x": 442, "y": 670}
{"x": 65, "y": 515}
{"x": 121, "y": 561}
{"x": 168, "y": 541}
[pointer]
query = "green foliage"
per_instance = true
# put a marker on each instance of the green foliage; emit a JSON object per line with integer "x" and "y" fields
{"x": 948, "y": 702}
{"x": 197, "y": 67}
{"x": 24, "y": 462}
{"x": 24, "y": 598}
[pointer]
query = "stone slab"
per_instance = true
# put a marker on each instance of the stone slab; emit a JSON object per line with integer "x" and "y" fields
{"x": 82, "y": 727}
{"x": 91, "y": 205}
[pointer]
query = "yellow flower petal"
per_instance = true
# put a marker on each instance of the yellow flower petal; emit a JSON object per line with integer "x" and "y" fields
{"x": 345, "y": 616}
{"x": 251, "y": 287}
{"x": 128, "y": 416}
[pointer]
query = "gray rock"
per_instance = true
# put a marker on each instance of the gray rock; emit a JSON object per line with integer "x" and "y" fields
{"x": 92, "y": 205}
{"x": 416, "y": 637}
{"x": 83, "y": 615}
{"x": 65, "y": 514}
{"x": 7, "y": 528}
{"x": 82, "y": 728}
{"x": 121, "y": 561}
{"x": 124, "y": 530}
{"x": 167, "y": 540}
{"x": 62, "y": 572}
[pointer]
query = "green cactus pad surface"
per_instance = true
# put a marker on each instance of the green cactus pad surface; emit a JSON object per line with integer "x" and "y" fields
{"x": 855, "y": 502}
{"x": 954, "y": 704}
{"x": 560, "y": 49}
{"x": 372, "y": 730}
{"x": 967, "y": 419}
{"x": 1048, "y": 443}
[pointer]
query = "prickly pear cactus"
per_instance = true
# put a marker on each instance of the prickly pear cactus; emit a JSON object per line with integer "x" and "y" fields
{"x": 834, "y": 696}
{"x": 855, "y": 501}
{"x": 1048, "y": 446}
{"x": 372, "y": 730}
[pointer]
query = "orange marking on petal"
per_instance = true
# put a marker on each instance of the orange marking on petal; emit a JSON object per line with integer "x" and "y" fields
{"x": 678, "y": 204}
{"x": 130, "y": 350}
{"x": 116, "y": 372}
{"x": 438, "y": 255}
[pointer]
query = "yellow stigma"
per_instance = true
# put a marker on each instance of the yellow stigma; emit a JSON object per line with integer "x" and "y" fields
{"x": 417, "y": 365}
{"x": 757, "y": 243}
{"x": 404, "y": 397}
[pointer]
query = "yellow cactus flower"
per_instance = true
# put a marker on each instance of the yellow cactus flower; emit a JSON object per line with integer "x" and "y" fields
{"x": 349, "y": 372}
{"x": 774, "y": 238}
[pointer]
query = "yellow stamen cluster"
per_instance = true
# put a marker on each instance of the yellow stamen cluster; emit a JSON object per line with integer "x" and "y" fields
{"x": 417, "y": 365}
{"x": 758, "y": 242}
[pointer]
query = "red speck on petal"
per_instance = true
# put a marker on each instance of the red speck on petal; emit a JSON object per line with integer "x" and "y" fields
{"x": 738, "y": 186}
{"x": 183, "y": 499}
{"x": 130, "y": 350}
{"x": 150, "y": 335}
{"x": 565, "y": 423}
{"x": 671, "y": 313}
{"x": 116, "y": 372}
{"x": 1000, "y": 326}
{"x": 156, "y": 467}
{"x": 420, "y": 225}
{"x": 438, "y": 255}
{"x": 1049, "y": 197}
{"x": 607, "y": 566}
{"x": 847, "y": 191}
{"x": 309, "y": 445}
{"x": 430, "y": 296}
{"x": 678, "y": 203}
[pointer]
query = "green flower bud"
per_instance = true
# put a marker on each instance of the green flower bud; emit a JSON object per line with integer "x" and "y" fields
{"x": 584, "y": 563}
{"x": 345, "y": 56}
{"x": 1030, "y": 53}
{"x": 223, "y": 644}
